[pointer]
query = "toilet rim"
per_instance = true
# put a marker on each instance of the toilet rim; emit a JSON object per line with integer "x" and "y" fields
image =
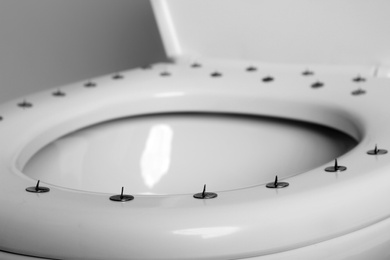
{"x": 261, "y": 209}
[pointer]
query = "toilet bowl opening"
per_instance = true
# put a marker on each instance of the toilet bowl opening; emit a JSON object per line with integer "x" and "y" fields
{"x": 177, "y": 153}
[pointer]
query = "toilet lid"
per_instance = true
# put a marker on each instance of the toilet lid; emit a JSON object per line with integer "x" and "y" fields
{"x": 303, "y": 31}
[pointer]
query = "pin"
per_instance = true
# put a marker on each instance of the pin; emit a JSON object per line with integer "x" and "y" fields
{"x": 1, "y": 118}
{"x": 205, "y": 195}
{"x": 37, "y": 188}
{"x": 276, "y": 184}
{"x": 117, "y": 76}
{"x": 307, "y": 73}
{"x": 59, "y": 93}
{"x": 358, "y": 92}
{"x": 251, "y": 68}
{"x": 122, "y": 197}
{"x": 165, "y": 74}
{"x": 317, "y": 84}
{"x": 216, "y": 74}
{"x": 268, "y": 79}
{"x": 335, "y": 167}
{"x": 25, "y": 104}
{"x": 90, "y": 84}
{"x": 358, "y": 79}
{"x": 147, "y": 67}
{"x": 377, "y": 151}
{"x": 196, "y": 65}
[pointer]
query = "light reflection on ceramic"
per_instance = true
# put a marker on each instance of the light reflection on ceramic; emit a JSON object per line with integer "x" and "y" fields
{"x": 207, "y": 232}
{"x": 156, "y": 157}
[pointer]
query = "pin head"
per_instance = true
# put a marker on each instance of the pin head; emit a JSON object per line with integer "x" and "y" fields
{"x": 268, "y": 79}
{"x": 216, "y": 74}
{"x": 122, "y": 197}
{"x": 90, "y": 84}
{"x": 205, "y": 195}
{"x": 276, "y": 184}
{"x": 307, "y": 73}
{"x": 358, "y": 92}
{"x": 117, "y": 76}
{"x": 335, "y": 167}
{"x": 196, "y": 65}
{"x": 25, "y": 104}
{"x": 59, "y": 93}
{"x": 38, "y": 189}
{"x": 317, "y": 84}
{"x": 251, "y": 68}
{"x": 165, "y": 74}
{"x": 377, "y": 151}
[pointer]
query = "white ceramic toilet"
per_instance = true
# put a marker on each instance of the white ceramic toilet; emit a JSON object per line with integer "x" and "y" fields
{"x": 200, "y": 184}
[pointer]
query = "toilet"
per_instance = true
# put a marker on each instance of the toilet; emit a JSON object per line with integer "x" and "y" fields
{"x": 321, "y": 63}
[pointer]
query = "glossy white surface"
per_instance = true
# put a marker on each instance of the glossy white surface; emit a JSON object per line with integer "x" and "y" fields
{"x": 316, "y": 208}
{"x": 351, "y": 32}
{"x": 178, "y": 153}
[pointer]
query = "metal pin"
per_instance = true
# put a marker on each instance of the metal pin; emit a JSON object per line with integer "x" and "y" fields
{"x": 216, "y": 74}
{"x": 37, "y": 188}
{"x": 25, "y": 104}
{"x": 90, "y": 84}
{"x": 205, "y": 195}
{"x": 358, "y": 79}
{"x": 358, "y": 92}
{"x": 251, "y": 68}
{"x": 307, "y": 73}
{"x": 377, "y": 151}
{"x": 165, "y": 74}
{"x": 122, "y": 197}
{"x": 117, "y": 76}
{"x": 335, "y": 167}
{"x": 268, "y": 79}
{"x": 196, "y": 65}
{"x": 276, "y": 184}
{"x": 147, "y": 67}
{"x": 317, "y": 84}
{"x": 59, "y": 93}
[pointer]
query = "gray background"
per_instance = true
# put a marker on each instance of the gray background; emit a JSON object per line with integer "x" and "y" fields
{"x": 49, "y": 43}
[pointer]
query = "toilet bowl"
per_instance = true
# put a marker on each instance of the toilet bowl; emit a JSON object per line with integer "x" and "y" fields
{"x": 335, "y": 210}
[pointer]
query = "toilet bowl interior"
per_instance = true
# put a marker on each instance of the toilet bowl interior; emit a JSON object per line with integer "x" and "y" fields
{"x": 177, "y": 153}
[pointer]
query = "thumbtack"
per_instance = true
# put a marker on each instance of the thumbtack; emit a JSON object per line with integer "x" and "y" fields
{"x": 251, "y": 68}
{"x": 205, "y": 195}
{"x": 317, "y": 84}
{"x": 117, "y": 76}
{"x": 59, "y": 93}
{"x": 37, "y": 188}
{"x": 335, "y": 167}
{"x": 216, "y": 74}
{"x": 90, "y": 84}
{"x": 268, "y": 79}
{"x": 122, "y": 197}
{"x": 377, "y": 151}
{"x": 358, "y": 79}
{"x": 307, "y": 73}
{"x": 147, "y": 67}
{"x": 165, "y": 74}
{"x": 25, "y": 104}
{"x": 276, "y": 184}
{"x": 358, "y": 92}
{"x": 196, "y": 65}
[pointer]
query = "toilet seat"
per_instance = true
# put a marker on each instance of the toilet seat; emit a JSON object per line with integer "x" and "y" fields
{"x": 178, "y": 226}
{"x": 320, "y": 214}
